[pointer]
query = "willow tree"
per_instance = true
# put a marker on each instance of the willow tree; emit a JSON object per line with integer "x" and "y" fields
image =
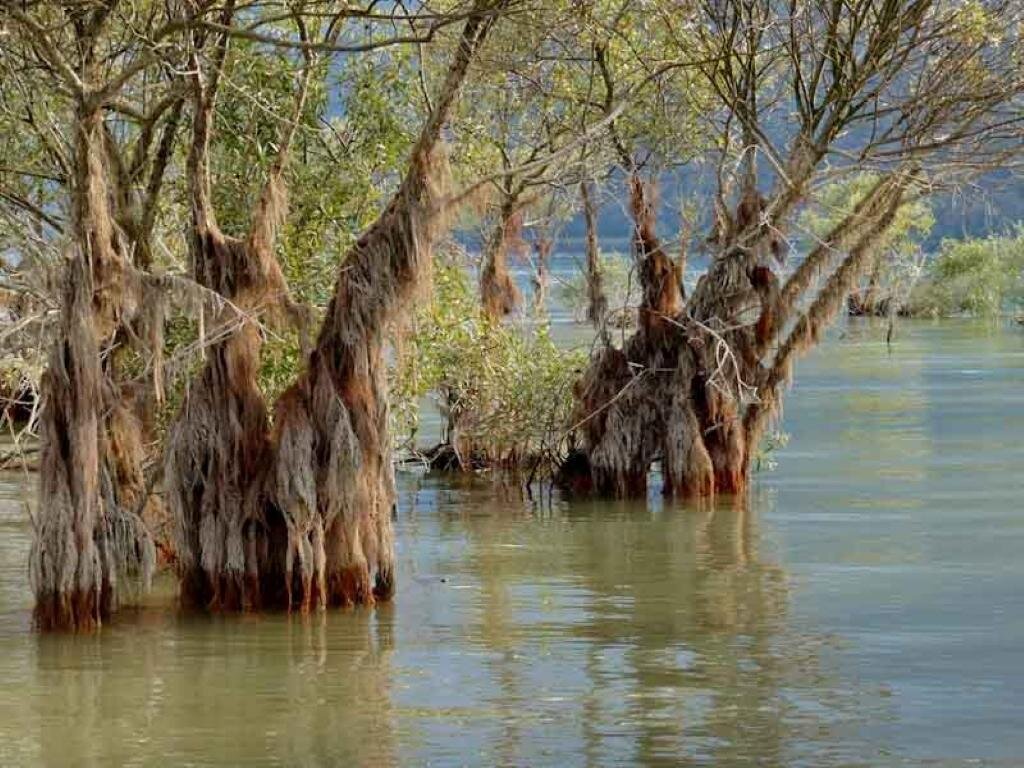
{"x": 920, "y": 93}
{"x": 140, "y": 119}
{"x": 217, "y": 445}
{"x": 519, "y": 119}
{"x": 636, "y": 79}
{"x": 330, "y": 473}
{"x": 89, "y": 530}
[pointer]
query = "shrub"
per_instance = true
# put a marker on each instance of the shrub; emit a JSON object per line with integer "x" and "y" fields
{"x": 981, "y": 277}
{"x": 505, "y": 394}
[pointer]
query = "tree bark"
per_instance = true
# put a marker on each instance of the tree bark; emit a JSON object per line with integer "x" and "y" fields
{"x": 331, "y": 472}
{"x": 597, "y": 303}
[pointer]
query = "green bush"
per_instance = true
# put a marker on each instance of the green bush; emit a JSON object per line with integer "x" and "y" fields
{"x": 504, "y": 393}
{"x": 980, "y": 277}
{"x": 619, "y": 285}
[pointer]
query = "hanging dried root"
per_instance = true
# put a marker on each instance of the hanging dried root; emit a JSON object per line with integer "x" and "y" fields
{"x": 691, "y": 389}
{"x": 810, "y": 326}
{"x": 331, "y": 476}
{"x": 86, "y": 533}
{"x": 597, "y": 302}
{"x": 499, "y": 295}
{"x": 660, "y": 278}
{"x": 70, "y": 575}
{"x": 218, "y": 446}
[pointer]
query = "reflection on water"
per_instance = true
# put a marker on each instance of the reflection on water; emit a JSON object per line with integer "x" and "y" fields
{"x": 614, "y": 631}
{"x": 863, "y": 610}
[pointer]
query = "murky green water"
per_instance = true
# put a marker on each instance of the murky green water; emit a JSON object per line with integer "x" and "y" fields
{"x": 868, "y": 609}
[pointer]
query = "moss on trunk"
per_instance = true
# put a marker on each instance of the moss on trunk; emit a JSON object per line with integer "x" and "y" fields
{"x": 88, "y": 530}
{"x": 696, "y": 385}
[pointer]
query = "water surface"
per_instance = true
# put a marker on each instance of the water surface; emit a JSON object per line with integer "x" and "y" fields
{"x": 866, "y": 609}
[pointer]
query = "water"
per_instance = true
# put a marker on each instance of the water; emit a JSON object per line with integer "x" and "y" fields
{"x": 867, "y": 609}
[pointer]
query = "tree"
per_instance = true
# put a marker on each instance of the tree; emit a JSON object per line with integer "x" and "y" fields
{"x": 218, "y": 442}
{"x": 119, "y": 75}
{"x": 519, "y": 121}
{"x": 904, "y": 89}
{"x": 88, "y": 528}
{"x": 330, "y": 473}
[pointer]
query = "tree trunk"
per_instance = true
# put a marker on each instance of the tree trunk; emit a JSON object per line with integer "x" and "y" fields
{"x": 543, "y": 248}
{"x": 85, "y": 532}
{"x": 230, "y": 551}
{"x": 692, "y": 388}
{"x": 499, "y": 295}
{"x": 597, "y": 303}
{"x": 331, "y": 473}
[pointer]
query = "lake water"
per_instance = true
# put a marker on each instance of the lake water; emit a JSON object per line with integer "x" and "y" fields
{"x": 866, "y": 609}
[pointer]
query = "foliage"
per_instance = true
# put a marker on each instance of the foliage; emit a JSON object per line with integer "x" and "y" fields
{"x": 725, "y": 83}
{"x": 356, "y": 129}
{"x": 982, "y": 277}
{"x": 504, "y": 393}
{"x": 618, "y": 282}
{"x": 912, "y": 223}
{"x": 897, "y": 256}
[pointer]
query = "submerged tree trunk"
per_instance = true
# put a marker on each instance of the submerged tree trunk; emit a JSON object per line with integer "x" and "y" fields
{"x": 694, "y": 388}
{"x": 597, "y": 303}
{"x": 331, "y": 473}
{"x": 87, "y": 530}
{"x": 499, "y": 295}
{"x": 218, "y": 445}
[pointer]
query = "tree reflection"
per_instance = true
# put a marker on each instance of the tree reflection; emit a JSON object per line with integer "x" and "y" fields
{"x": 273, "y": 689}
{"x": 630, "y": 634}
